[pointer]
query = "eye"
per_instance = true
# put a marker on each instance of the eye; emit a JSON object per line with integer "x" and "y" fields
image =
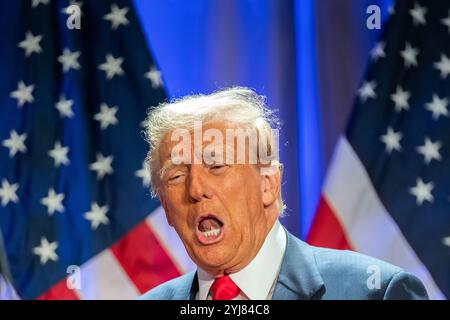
{"x": 176, "y": 177}
{"x": 218, "y": 168}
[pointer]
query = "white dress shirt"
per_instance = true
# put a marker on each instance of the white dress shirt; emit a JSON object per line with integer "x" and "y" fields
{"x": 257, "y": 279}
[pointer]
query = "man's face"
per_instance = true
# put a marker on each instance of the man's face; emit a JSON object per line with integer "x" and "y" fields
{"x": 221, "y": 211}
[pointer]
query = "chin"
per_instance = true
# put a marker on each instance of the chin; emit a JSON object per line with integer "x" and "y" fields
{"x": 211, "y": 258}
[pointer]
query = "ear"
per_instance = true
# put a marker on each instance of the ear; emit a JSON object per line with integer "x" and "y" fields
{"x": 270, "y": 186}
{"x": 165, "y": 207}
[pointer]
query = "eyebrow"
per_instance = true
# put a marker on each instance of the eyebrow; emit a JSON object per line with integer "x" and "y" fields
{"x": 168, "y": 164}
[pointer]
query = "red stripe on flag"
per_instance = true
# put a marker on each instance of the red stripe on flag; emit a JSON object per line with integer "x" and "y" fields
{"x": 59, "y": 291}
{"x": 144, "y": 259}
{"x": 326, "y": 230}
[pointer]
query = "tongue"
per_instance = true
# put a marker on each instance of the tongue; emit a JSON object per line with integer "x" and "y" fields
{"x": 209, "y": 224}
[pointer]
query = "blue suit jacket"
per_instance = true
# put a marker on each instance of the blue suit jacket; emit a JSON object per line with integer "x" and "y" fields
{"x": 309, "y": 272}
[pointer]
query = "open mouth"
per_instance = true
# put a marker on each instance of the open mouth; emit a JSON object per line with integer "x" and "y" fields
{"x": 209, "y": 229}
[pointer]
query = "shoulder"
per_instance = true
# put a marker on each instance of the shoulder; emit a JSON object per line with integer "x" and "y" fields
{"x": 355, "y": 275}
{"x": 331, "y": 262}
{"x": 175, "y": 289}
{"x": 350, "y": 275}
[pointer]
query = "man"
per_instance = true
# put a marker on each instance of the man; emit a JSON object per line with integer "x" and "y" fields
{"x": 214, "y": 166}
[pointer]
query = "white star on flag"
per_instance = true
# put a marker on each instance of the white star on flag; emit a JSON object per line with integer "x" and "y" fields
{"x": 154, "y": 75}
{"x": 117, "y": 16}
{"x": 438, "y": 107}
{"x": 8, "y": 192}
{"x": 418, "y": 14}
{"x": 112, "y": 66}
{"x": 446, "y": 241}
{"x": 378, "y": 51}
{"x": 35, "y": 3}
{"x": 409, "y": 55}
{"x": 64, "y": 107}
{"x": 97, "y": 215}
{"x": 106, "y": 116}
{"x": 102, "y": 166}
{"x": 446, "y": 21}
{"x": 430, "y": 150}
{"x": 59, "y": 154}
{"x": 15, "y": 143}
{"x": 53, "y": 202}
{"x": 144, "y": 174}
{"x": 443, "y": 66}
{"x": 400, "y": 98}
{"x": 69, "y": 60}
{"x": 392, "y": 140}
{"x": 422, "y": 191}
{"x": 23, "y": 94}
{"x": 367, "y": 90}
{"x": 46, "y": 251}
{"x": 31, "y": 44}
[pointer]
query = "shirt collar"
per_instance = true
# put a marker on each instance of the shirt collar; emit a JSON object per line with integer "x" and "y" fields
{"x": 257, "y": 278}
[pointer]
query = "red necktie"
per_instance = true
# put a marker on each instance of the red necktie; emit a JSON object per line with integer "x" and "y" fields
{"x": 223, "y": 288}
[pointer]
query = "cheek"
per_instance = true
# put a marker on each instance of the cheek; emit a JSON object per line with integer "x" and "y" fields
{"x": 242, "y": 197}
{"x": 176, "y": 213}
{"x": 174, "y": 198}
{"x": 176, "y": 216}
{"x": 246, "y": 210}
{"x": 251, "y": 195}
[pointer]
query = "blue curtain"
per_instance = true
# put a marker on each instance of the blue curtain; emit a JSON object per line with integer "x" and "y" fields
{"x": 306, "y": 56}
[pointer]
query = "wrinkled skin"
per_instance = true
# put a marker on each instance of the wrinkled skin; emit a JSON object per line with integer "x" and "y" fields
{"x": 238, "y": 194}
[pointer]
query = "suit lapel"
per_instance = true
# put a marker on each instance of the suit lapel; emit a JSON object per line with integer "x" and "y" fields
{"x": 188, "y": 287}
{"x": 194, "y": 287}
{"x": 299, "y": 278}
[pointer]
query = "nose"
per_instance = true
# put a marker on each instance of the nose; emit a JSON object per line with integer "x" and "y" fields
{"x": 198, "y": 188}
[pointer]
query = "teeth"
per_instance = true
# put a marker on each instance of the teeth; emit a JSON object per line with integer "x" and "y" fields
{"x": 210, "y": 233}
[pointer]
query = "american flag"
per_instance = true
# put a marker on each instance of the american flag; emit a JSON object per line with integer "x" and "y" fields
{"x": 75, "y": 208}
{"x": 387, "y": 192}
